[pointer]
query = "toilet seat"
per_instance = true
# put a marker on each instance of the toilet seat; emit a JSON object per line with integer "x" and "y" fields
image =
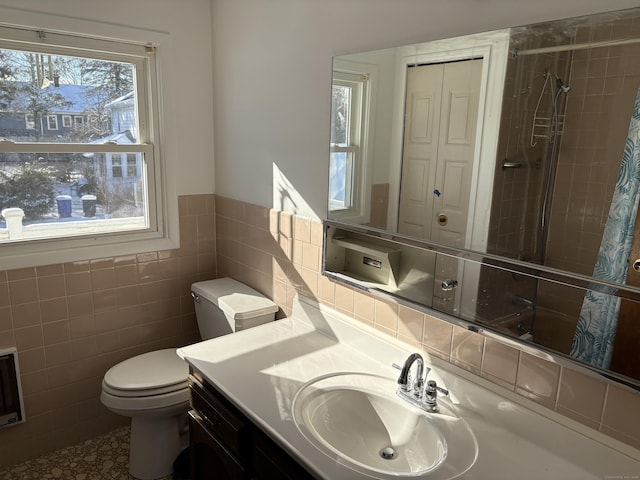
{"x": 160, "y": 372}
{"x": 163, "y": 404}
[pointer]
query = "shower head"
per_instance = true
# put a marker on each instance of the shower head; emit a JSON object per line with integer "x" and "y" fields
{"x": 561, "y": 85}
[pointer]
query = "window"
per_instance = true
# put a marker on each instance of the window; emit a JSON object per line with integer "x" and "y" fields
{"x": 116, "y": 165}
{"x": 44, "y": 77}
{"x": 348, "y": 138}
{"x": 52, "y": 122}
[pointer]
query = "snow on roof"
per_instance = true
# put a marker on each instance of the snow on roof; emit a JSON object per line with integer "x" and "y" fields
{"x": 124, "y": 101}
{"x": 119, "y": 138}
{"x": 79, "y": 97}
{"x": 76, "y": 94}
{"x": 122, "y": 138}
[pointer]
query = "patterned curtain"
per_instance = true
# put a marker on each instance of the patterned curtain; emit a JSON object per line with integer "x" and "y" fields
{"x": 596, "y": 329}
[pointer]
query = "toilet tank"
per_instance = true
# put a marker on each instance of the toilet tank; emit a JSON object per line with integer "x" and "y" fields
{"x": 225, "y": 305}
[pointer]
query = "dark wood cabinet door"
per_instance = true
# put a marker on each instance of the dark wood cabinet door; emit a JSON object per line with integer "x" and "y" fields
{"x": 209, "y": 459}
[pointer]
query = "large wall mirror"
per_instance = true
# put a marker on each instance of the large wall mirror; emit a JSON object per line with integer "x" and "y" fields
{"x": 521, "y": 146}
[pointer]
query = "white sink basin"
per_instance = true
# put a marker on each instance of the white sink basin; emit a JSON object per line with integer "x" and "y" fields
{"x": 358, "y": 420}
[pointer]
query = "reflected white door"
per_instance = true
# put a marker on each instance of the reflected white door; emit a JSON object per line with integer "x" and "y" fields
{"x": 441, "y": 115}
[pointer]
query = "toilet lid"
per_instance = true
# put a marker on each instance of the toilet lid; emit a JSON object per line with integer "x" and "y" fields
{"x": 149, "y": 371}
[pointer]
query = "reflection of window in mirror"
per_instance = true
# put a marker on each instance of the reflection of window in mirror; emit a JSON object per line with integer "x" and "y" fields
{"x": 349, "y": 110}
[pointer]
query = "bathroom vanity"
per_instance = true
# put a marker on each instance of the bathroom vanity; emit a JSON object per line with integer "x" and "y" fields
{"x": 306, "y": 396}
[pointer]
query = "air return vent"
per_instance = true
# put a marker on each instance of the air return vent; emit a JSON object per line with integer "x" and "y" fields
{"x": 11, "y": 406}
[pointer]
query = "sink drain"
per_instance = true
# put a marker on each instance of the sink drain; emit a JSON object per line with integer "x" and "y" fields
{"x": 388, "y": 453}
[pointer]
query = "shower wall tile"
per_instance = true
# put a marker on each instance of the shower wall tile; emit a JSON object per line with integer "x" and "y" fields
{"x": 538, "y": 380}
{"x": 23, "y": 290}
{"x": 21, "y": 273}
{"x": 345, "y": 300}
{"x": 467, "y": 349}
{"x": 26, "y": 314}
{"x": 51, "y": 286}
{"x": 4, "y": 292}
{"x": 410, "y": 324}
{"x": 6, "y": 320}
{"x": 500, "y": 363}
{"x": 386, "y": 315}
{"x": 437, "y": 337}
{"x": 618, "y": 419}
{"x": 599, "y": 109}
{"x": 581, "y": 397}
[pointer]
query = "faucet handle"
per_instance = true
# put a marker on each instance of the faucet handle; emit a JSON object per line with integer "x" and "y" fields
{"x": 433, "y": 388}
{"x": 430, "y": 397}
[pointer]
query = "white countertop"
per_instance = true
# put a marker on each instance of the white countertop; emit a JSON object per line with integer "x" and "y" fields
{"x": 261, "y": 369}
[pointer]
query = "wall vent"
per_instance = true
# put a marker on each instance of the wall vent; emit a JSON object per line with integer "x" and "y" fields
{"x": 11, "y": 405}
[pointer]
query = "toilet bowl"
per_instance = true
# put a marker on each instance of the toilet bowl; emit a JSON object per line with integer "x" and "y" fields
{"x": 152, "y": 388}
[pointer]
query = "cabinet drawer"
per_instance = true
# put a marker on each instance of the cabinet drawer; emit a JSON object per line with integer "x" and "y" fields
{"x": 228, "y": 426}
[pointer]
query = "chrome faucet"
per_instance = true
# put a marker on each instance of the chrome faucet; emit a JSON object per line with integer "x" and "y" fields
{"x": 425, "y": 398}
{"x": 404, "y": 380}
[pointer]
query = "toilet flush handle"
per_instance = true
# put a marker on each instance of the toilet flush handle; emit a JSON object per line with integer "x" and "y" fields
{"x": 195, "y": 297}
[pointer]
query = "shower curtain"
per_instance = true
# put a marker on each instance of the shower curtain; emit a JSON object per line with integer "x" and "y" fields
{"x": 596, "y": 329}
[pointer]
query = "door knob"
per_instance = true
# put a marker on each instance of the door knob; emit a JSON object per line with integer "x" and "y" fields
{"x": 442, "y": 219}
{"x": 636, "y": 265}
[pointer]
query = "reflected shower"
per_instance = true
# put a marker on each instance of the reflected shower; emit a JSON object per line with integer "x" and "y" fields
{"x": 545, "y": 125}
{"x": 561, "y": 85}
{"x": 557, "y": 120}
{"x": 555, "y": 128}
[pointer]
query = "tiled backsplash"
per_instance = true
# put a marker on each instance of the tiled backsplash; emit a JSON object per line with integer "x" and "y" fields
{"x": 280, "y": 254}
{"x": 73, "y": 321}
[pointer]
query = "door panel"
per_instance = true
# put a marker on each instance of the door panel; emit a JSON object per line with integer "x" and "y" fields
{"x": 461, "y": 87}
{"x": 418, "y": 172}
{"x": 420, "y": 149}
{"x": 461, "y": 122}
{"x": 422, "y": 117}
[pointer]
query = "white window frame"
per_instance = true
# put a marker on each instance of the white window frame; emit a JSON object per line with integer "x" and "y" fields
{"x": 358, "y": 86}
{"x": 66, "y": 121}
{"x": 362, "y": 131}
{"x": 29, "y": 121}
{"x": 52, "y": 122}
{"x": 139, "y": 47}
{"x": 78, "y": 121}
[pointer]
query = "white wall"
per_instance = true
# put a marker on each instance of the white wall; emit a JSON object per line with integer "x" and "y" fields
{"x": 272, "y": 70}
{"x": 183, "y": 29}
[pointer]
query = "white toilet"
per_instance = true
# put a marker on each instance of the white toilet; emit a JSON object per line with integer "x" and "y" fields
{"x": 152, "y": 388}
